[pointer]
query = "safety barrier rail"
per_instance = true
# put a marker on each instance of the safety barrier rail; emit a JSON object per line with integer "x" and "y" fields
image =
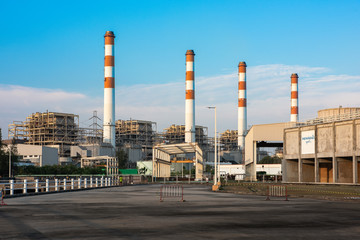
{"x": 172, "y": 191}
{"x": 277, "y": 191}
{"x": 18, "y": 187}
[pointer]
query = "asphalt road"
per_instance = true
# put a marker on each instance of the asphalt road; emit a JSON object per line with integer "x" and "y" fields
{"x": 135, "y": 212}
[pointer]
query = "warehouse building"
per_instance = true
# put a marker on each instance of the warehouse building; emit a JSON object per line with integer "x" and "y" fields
{"x": 324, "y": 150}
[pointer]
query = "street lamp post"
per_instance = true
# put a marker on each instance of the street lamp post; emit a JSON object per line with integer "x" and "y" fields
{"x": 215, "y": 153}
{"x": 9, "y": 149}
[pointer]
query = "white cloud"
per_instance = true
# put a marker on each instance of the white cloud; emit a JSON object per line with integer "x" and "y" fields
{"x": 268, "y": 98}
{"x": 18, "y": 102}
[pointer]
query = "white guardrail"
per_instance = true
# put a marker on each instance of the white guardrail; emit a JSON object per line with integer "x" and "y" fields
{"x": 19, "y": 187}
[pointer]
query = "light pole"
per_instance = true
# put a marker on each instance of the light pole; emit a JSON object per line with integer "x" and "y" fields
{"x": 9, "y": 148}
{"x": 215, "y": 153}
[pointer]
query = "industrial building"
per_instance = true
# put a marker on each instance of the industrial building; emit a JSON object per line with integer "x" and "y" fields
{"x": 229, "y": 140}
{"x": 48, "y": 128}
{"x": 136, "y": 132}
{"x": 325, "y": 149}
{"x": 176, "y": 134}
{"x": 37, "y": 155}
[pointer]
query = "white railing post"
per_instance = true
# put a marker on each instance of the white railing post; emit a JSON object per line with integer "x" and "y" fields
{"x": 79, "y": 183}
{"x": 72, "y": 184}
{"x": 110, "y": 182}
{"x": 106, "y": 182}
{"x": 101, "y": 181}
{"x": 91, "y": 182}
{"x": 65, "y": 182}
{"x": 11, "y": 187}
{"x": 36, "y": 185}
{"x": 56, "y": 185}
{"x": 85, "y": 182}
{"x": 96, "y": 182}
{"x": 47, "y": 185}
{"x": 25, "y": 186}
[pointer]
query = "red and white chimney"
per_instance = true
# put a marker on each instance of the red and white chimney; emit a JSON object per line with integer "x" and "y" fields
{"x": 294, "y": 98}
{"x": 109, "y": 89}
{"x": 190, "y": 98}
{"x": 242, "y": 111}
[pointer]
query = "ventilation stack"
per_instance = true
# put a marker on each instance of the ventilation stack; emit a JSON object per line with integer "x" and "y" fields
{"x": 190, "y": 98}
{"x": 109, "y": 89}
{"x": 242, "y": 112}
{"x": 294, "y": 98}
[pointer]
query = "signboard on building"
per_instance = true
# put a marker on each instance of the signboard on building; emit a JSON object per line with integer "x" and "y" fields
{"x": 308, "y": 142}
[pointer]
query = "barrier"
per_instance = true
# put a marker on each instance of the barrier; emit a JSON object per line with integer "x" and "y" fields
{"x": 277, "y": 191}
{"x": 172, "y": 191}
{"x": 19, "y": 187}
{"x": 2, "y": 194}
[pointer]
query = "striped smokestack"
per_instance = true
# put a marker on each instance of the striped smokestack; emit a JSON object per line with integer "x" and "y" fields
{"x": 242, "y": 113}
{"x": 294, "y": 98}
{"x": 190, "y": 98}
{"x": 109, "y": 89}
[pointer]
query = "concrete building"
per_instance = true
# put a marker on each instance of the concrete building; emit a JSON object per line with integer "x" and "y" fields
{"x": 91, "y": 150}
{"x": 38, "y": 155}
{"x": 327, "y": 152}
{"x": 238, "y": 170}
{"x": 264, "y": 135}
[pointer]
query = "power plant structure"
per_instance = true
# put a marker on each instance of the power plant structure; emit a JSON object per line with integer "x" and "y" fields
{"x": 294, "y": 98}
{"x": 190, "y": 97}
{"x": 136, "y": 137}
{"x": 109, "y": 89}
{"x": 322, "y": 150}
{"x": 242, "y": 111}
{"x": 325, "y": 149}
{"x": 48, "y": 129}
{"x": 229, "y": 140}
{"x": 177, "y": 134}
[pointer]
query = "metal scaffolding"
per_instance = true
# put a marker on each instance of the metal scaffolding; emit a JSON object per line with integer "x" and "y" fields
{"x": 135, "y": 132}
{"x": 176, "y": 134}
{"x": 49, "y": 128}
{"x": 229, "y": 140}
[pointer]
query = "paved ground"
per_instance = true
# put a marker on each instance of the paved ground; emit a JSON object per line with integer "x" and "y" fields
{"x": 134, "y": 212}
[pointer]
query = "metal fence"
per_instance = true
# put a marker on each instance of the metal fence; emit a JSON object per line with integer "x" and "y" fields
{"x": 277, "y": 191}
{"x": 18, "y": 187}
{"x": 172, "y": 191}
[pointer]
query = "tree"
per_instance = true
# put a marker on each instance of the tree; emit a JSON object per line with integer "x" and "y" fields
{"x": 270, "y": 160}
{"x": 4, "y": 164}
{"x": 4, "y": 157}
{"x": 122, "y": 158}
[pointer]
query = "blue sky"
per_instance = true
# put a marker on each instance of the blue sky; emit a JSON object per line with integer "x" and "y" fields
{"x": 51, "y": 57}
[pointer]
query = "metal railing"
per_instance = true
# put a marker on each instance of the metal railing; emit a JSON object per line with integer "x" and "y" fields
{"x": 171, "y": 191}
{"x": 18, "y": 187}
{"x": 277, "y": 191}
{"x": 335, "y": 118}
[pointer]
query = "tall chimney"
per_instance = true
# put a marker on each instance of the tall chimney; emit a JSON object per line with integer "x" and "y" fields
{"x": 294, "y": 98}
{"x": 242, "y": 112}
{"x": 109, "y": 89}
{"x": 190, "y": 98}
